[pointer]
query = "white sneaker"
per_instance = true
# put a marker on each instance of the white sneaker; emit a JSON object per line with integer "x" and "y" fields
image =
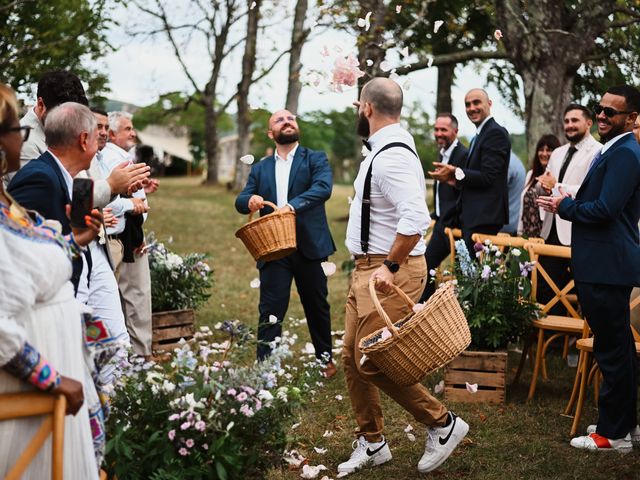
{"x": 441, "y": 442}
{"x": 593, "y": 441}
{"x": 366, "y": 454}
{"x": 635, "y": 433}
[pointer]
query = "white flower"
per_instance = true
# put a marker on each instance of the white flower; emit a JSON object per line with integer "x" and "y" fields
{"x": 265, "y": 396}
{"x": 418, "y": 307}
{"x": 339, "y": 397}
{"x": 515, "y": 252}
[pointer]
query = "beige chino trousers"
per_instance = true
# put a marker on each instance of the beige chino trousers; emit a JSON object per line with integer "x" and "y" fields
{"x": 364, "y": 381}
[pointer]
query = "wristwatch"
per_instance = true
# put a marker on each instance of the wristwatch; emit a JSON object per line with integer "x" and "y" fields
{"x": 459, "y": 174}
{"x": 391, "y": 265}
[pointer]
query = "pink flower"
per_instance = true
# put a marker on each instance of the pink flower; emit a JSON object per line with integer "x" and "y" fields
{"x": 246, "y": 410}
{"x": 258, "y": 405}
{"x": 200, "y": 426}
{"x": 242, "y": 396}
{"x": 185, "y": 425}
{"x": 183, "y": 451}
{"x": 189, "y": 443}
{"x": 231, "y": 391}
{"x": 205, "y": 446}
{"x": 249, "y": 390}
{"x": 173, "y": 417}
{"x": 345, "y": 72}
{"x": 171, "y": 435}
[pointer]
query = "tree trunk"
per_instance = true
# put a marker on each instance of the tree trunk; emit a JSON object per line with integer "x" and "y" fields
{"x": 446, "y": 74}
{"x": 244, "y": 113}
{"x": 547, "y": 91}
{"x": 298, "y": 38}
{"x": 211, "y": 140}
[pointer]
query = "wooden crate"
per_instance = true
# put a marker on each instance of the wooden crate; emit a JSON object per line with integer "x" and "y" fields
{"x": 487, "y": 369}
{"x": 169, "y": 327}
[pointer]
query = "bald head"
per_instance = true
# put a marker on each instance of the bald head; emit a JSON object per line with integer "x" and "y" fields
{"x": 477, "y": 105}
{"x": 384, "y": 95}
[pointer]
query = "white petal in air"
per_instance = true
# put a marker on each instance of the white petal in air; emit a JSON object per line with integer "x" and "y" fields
{"x": 497, "y": 34}
{"x": 436, "y": 25}
{"x": 385, "y": 66}
{"x": 329, "y": 268}
{"x": 253, "y": 5}
{"x": 255, "y": 283}
{"x": 339, "y": 397}
{"x": 309, "y": 471}
{"x": 408, "y": 429}
{"x": 321, "y": 451}
{"x": 327, "y": 433}
{"x": 418, "y": 307}
{"x": 439, "y": 388}
{"x": 247, "y": 159}
{"x": 369, "y": 62}
{"x": 430, "y": 62}
{"x": 309, "y": 349}
{"x": 363, "y": 359}
{"x": 405, "y": 52}
{"x": 471, "y": 388}
{"x": 411, "y": 437}
{"x": 398, "y": 8}
{"x": 273, "y": 319}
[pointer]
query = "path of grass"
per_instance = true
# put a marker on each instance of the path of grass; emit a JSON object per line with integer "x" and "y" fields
{"x": 516, "y": 441}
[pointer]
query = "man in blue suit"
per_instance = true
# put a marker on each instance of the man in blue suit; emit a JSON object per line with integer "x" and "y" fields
{"x": 45, "y": 184}
{"x": 605, "y": 259}
{"x": 298, "y": 179}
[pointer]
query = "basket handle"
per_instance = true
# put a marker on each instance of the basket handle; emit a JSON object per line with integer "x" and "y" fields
{"x": 269, "y": 204}
{"x": 378, "y": 305}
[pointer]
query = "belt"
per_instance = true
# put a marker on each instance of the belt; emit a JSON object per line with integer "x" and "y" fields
{"x": 360, "y": 256}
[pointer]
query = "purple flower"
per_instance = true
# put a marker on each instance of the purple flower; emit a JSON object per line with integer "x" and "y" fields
{"x": 486, "y": 272}
{"x": 478, "y": 247}
{"x": 185, "y": 425}
{"x": 200, "y": 426}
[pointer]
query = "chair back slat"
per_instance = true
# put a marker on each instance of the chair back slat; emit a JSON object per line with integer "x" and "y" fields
{"x": 505, "y": 240}
{"x": 21, "y": 405}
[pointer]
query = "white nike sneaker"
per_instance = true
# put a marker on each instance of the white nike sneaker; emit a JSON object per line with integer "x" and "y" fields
{"x": 441, "y": 442}
{"x": 635, "y": 433}
{"x": 366, "y": 454}
{"x": 593, "y": 441}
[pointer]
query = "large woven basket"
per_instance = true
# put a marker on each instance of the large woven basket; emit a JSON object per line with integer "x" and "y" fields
{"x": 421, "y": 342}
{"x": 271, "y": 236}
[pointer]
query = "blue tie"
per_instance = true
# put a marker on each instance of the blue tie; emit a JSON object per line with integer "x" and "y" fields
{"x": 472, "y": 144}
{"x": 595, "y": 160}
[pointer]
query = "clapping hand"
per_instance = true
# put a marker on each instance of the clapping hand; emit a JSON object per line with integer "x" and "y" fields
{"x": 444, "y": 173}
{"x": 551, "y": 204}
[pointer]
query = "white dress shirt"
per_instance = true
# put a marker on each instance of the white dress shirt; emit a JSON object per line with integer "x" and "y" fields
{"x": 398, "y": 195}
{"x": 112, "y": 156}
{"x": 283, "y": 168}
{"x": 68, "y": 179}
{"x": 608, "y": 145}
{"x": 446, "y": 155}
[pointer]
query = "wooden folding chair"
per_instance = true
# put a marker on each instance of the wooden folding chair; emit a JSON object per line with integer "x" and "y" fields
{"x": 557, "y": 325}
{"x": 502, "y": 240}
{"x": 427, "y": 237}
{"x": 20, "y": 405}
{"x": 588, "y": 371}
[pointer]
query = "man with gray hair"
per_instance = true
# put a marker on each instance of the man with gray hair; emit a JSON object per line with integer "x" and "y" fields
{"x": 387, "y": 221}
{"x": 45, "y": 184}
{"x": 134, "y": 277}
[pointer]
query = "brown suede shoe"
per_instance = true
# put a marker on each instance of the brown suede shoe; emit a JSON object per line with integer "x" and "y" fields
{"x": 329, "y": 370}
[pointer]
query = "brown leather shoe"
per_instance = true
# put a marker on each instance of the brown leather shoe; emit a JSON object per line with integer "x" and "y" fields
{"x": 329, "y": 370}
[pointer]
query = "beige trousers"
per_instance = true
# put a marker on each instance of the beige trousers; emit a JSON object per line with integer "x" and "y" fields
{"x": 362, "y": 319}
{"x": 134, "y": 281}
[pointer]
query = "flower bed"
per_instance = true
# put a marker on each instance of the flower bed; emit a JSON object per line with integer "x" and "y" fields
{"x": 205, "y": 413}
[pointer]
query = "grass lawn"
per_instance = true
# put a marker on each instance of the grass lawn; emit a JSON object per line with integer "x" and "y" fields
{"x": 518, "y": 440}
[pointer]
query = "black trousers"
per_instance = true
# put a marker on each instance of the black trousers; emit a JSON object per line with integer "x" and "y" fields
{"x": 559, "y": 271}
{"x": 275, "y": 289}
{"x": 606, "y": 309}
{"x": 438, "y": 249}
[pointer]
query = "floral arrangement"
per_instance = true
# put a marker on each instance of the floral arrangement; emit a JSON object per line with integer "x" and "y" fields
{"x": 204, "y": 413}
{"x": 177, "y": 282}
{"x": 494, "y": 293}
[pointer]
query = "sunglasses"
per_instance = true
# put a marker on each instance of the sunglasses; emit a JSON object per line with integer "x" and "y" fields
{"x": 25, "y": 130}
{"x": 608, "y": 111}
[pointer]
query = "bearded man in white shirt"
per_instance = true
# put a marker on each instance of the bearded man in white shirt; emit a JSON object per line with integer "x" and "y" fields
{"x": 384, "y": 234}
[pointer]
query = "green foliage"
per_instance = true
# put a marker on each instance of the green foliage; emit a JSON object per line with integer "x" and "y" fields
{"x": 36, "y": 37}
{"x": 205, "y": 414}
{"x": 177, "y": 282}
{"x": 494, "y": 294}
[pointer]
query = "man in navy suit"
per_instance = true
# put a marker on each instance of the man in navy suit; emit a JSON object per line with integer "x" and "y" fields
{"x": 445, "y": 196}
{"x": 483, "y": 205}
{"x": 605, "y": 259}
{"x": 45, "y": 184}
{"x": 298, "y": 179}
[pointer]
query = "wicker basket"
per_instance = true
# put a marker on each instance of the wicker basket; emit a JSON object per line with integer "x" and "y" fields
{"x": 421, "y": 342}
{"x": 271, "y": 236}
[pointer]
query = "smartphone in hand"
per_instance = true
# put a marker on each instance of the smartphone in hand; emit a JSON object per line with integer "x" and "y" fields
{"x": 81, "y": 201}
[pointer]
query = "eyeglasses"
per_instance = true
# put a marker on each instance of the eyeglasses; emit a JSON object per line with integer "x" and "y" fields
{"x": 290, "y": 118}
{"x": 608, "y": 111}
{"x": 25, "y": 130}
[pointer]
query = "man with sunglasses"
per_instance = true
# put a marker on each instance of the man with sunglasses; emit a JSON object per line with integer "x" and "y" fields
{"x": 605, "y": 258}
{"x": 297, "y": 179}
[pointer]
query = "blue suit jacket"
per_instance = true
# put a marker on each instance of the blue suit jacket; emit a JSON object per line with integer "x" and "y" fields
{"x": 310, "y": 184}
{"x": 40, "y": 186}
{"x": 605, "y": 247}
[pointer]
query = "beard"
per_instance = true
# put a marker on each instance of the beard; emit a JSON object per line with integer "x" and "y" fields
{"x": 363, "y": 128}
{"x": 613, "y": 132}
{"x": 575, "y": 137}
{"x": 287, "y": 138}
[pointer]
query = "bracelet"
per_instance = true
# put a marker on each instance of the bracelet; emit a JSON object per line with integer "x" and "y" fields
{"x": 30, "y": 366}
{"x": 76, "y": 249}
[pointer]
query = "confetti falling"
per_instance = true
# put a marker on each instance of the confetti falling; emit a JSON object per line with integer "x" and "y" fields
{"x": 329, "y": 268}
{"x": 497, "y": 35}
{"x": 471, "y": 387}
{"x": 436, "y": 25}
{"x": 247, "y": 159}
{"x": 365, "y": 22}
{"x": 255, "y": 283}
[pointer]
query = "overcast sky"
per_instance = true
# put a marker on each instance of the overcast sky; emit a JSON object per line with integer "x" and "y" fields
{"x": 140, "y": 70}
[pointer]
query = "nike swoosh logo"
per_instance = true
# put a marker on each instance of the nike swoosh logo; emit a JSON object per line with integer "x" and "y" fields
{"x": 444, "y": 440}
{"x": 371, "y": 453}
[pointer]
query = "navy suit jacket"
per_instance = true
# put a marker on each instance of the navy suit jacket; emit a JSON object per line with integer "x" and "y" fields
{"x": 484, "y": 199}
{"x": 605, "y": 247}
{"x": 310, "y": 184}
{"x": 40, "y": 186}
{"x": 448, "y": 195}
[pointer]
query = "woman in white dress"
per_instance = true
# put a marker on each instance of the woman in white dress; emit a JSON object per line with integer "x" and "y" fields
{"x": 41, "y": 337}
